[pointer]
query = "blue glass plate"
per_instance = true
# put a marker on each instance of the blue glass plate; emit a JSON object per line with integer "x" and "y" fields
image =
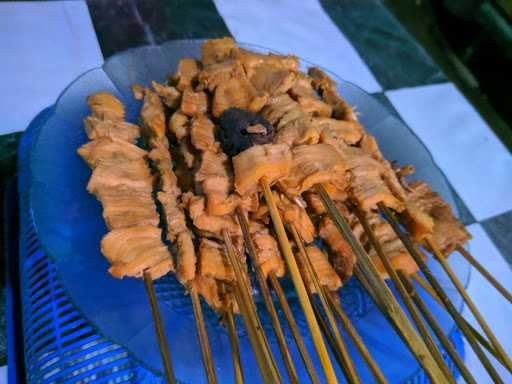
{"x": 69, "y": 224}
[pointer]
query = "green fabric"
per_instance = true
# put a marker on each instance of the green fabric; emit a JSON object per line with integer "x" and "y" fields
{"x": 8, "y": 151}
{"x": 393, "y": 56}
{"x": 153, "y": 22}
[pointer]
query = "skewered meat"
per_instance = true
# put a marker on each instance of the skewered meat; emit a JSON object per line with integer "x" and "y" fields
{"x": 267, "y": 253}
{"x": 122, "y": 181}
{"x": 342, "y": 257}
{"x": 152, "y": 116}
{"x": 194, "y": 103}
{"x": 217, "y": 50}
{"x": 202, "y": 134}
{"x": 186, "y": 74}
{"x": 105, "y": 106}
{"x": 179, "y": 125}
{"x": 447, "y": 231}
{"x": 326, "y": 274}
{"x": 313, "y": 164}
{"x": 237, "y": 92}
{"x": 170, "y": 95}
{"x": 271, "y": 160}
{"x": 97, "y": 128}
{"x": 213, "y": 261}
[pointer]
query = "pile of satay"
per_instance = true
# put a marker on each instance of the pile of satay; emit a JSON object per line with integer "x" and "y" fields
{"x": 243, "y": 164}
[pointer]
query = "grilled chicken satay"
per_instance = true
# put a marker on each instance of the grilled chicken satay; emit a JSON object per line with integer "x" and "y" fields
{"x": 122, "y": 181}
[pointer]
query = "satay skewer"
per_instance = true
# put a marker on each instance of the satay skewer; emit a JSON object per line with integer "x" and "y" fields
{"x": 436, "y": 328}
{"x": 264, "y": 356}
{"x": 159, "y": 328}
{"x": 267, "y": 298}
{"x": 299, "y": 341}
{"x": 389, "y": 305}
{"x": 440, "y": 292}
{"x": 473, "y": 332}
{"x": 469, "y": 302}
{"x": 203, "y": 337}
{"x": 356, "y": 338}
{"x": 300, "y": 288}
{"x": 485, "y": 273}
{"x": 347, "y": 362}
{"x": 235, "y": 347}
{"x": 418, "y": 321}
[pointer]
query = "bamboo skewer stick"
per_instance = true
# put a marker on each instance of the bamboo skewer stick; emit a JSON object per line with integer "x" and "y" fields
{"x": 338, "y": 356}
{"x": 337, "y": 338}
{"x": 235, "y": 347}
{"x": 356, "y": 338}
{"x": 304, "y": 353}
{"x": 388, "y": 303}
{"x": 269, "y": 304}
{"x": 299, "y": 284}
{"x": 159, "y": 327}
{"x": 437, "y": 329}
{"x": 203, "y": 337}
{"x": 473, "y": 332}
{"x": 418, "y": 321}
{"x": 484, "y": 273}
{"x": 259, "y": 342}
{"x": 440, "y": 292}
{"x": 476, "y": 313}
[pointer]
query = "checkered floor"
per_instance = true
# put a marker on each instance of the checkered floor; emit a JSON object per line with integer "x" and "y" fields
{"x": 49, "y": 43}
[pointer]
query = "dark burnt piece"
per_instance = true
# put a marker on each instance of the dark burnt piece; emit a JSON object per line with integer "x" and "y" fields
{"x": 241, "y": 129}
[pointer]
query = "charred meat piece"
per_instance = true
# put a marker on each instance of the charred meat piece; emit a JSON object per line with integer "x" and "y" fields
{"x": 326, "y": 274}
{"x": 241, "y": 129}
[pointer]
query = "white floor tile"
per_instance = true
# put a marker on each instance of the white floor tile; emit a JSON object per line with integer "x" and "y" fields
{"x": 475, "y": 161}
{"x": 299, "y": 27}
{"x": 496, "y": 309}
{"x": 44, "y": 45}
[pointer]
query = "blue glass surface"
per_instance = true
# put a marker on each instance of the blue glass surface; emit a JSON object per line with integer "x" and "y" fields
{"x": 69, "y": 224}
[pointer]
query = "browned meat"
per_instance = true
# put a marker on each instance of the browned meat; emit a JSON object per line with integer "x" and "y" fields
{"x": 146, "y": 259}
{"x": 212, "y": 173}
{"x": 134, "y": 174}
{"x": 97, "y": 128}
{"x": 313, "y": 164}
{"x": 202, "y": 134}
{"x": 194, "y": 103}
{"x": 152, "y": 116}
{"x": 170, "y": 95}
{"x": 313, "y": 106}
{"x": 186, "y": 74}
{"x": 305, "y": 130}
{"x": 326, "y": 274}
{"x": 217, "y": 50}
{"x": 251, "y": 61}
{"x": 297, "y": 216}
{"x": 271, "y": 160}
{"x": 267, "y": 253}
{"x": 327, "y": 88}
{"x": 179, "y": 125}
{"x": 106, "y": 150}
{"x": 342, "y": 257}
{"x": 209, "y": 224}
{"x": 272, "y": 80}
{"x": 302, "y": 87}
{"x": 277, "y": 107}
{"x": 208, "y": 287}
{"x": 217, "y": 73}
{"x": 213, "y": 261}
{"x": 106, "y": 106}
{"x": 186, "y": 268}
{"x": 236, "y": 92}
{"x": 448, "y": 232}
{"x": 131, "y": 212}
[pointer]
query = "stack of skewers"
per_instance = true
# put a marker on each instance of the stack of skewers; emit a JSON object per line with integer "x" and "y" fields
{"x": 241, "y": 164}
